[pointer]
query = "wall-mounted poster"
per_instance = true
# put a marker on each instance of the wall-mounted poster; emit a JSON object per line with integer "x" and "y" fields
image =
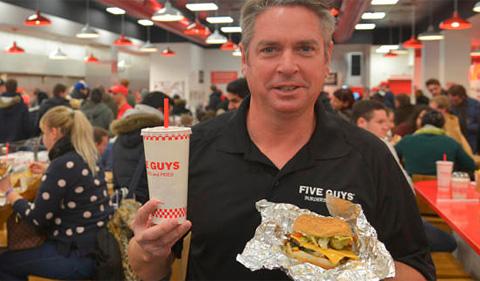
{"x": 223, "y": 77}
{"x": 331, "y": 79}
{"x": 170, "y": 88}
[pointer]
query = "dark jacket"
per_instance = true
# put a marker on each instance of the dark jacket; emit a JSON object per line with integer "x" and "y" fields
{"x": 469, "y": 116}
{"x": 49, "y": 104}
{"x": 71, "y": 204}
{"x": 98, "y": 114}
{"x": 15, "y": 123}
{"x": 128, "y": 148}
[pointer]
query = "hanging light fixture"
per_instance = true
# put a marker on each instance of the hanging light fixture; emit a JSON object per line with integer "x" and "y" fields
{"x": 413, "y": 43}
{"x": 37, "y": 19}
{"x": 58, "y": 54}
{"x": 216, "y": 38}
{"x": 197, "y": 28}
{"x": 237, "y": 53}
{"x": 148, "y": 47}
{"x": 401, "y": 50}
{"x": 167, "y": 13}
{"x": 91, "y": 59}
{"x": 167, "y": 52}
{"x": 123, "y": 40}
{"x": 15, "y": 49}
{"x": 228, "y": 46}
{"x": 430, "y": 34}
{"x": 390, "y": 54}
{"x": 87, "y": 32}
{"x": 334, "y": 12}
{"x": 476, "y": 8}
{"x": 455, "y": 22}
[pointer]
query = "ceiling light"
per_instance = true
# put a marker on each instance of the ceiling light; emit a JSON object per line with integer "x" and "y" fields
{"x": 365, "y": 26}
{"x": 148, "y": 48}
{"x": 430, "y": 35}
{"x": 123, "y": 41}
{"x": 15, "y": 49}
{"x": 37, "y": 19}
{"x": 167, "y": 14}
{"x": 87, "y": 32}
{"x": 237, "y": 53}
{"x": 476, "y": 8}
{"x": 400, "y": 51}
{"x": 455, "y": 23}
{"x": 198, "y": 29}
{"x": 390, "y": 54}
{"x": 91, "y": 59}
{"x": 195, "y": 7}
{"x": 58, "y": 54}
{"x": 115, "y": 11}
{"x": 412, "y": 43}
{"x": 373, "y": 15}
{"x": 168, "y": 52}
{"x": 229, "y": 46}
{"x": 334, "y": 12}
{"x": 475, "y": 53}
{"x": 231, "y": 29}
{"x": 383, "y": 49}
{"x": 384, "y": 2}
{"x": 220, "y": 19}
{"x": 216, "y": 38}
{"x": 145, "y": 22}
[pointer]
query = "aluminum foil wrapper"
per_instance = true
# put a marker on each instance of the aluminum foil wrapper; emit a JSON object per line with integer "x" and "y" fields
{"x": 264, "y": 250}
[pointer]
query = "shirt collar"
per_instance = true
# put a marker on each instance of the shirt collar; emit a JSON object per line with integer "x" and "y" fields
{"x": 327, "y": 142}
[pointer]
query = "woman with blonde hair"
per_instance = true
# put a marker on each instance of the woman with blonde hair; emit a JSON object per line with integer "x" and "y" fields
{"x": 71, "y": 205}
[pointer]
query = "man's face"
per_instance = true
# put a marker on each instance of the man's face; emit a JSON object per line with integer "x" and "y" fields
{"x": 455, "y": 100}
{"x": 286, "y": 64}
{"x": 102, "y": 145}
{"x": 434, "y": 89}
{"x": 434, "y": 105}
{"x": 234, "y": 101}
{"x": 377, "y": 125}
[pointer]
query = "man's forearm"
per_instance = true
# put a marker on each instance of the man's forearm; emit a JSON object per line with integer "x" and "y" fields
{"x": 405, "y": 272}
{"x": 148, "y": 268}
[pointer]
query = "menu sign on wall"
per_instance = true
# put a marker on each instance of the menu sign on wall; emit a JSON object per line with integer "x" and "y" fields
{"x": 223, "y": 77}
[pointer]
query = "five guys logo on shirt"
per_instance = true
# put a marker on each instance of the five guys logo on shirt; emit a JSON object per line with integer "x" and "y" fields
{"x": 318, "y": 194}
{"x": 162, "y": 169}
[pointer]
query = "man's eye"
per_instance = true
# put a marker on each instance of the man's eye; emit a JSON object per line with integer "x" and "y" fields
{"x": 268, "y": 50}
{"x": 306, "y": 49}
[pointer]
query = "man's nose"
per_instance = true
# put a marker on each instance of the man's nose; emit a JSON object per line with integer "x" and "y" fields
{"x": 288, "y": 64}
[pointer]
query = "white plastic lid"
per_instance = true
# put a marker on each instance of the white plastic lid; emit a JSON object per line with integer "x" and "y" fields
{"x": 163, "y": 130}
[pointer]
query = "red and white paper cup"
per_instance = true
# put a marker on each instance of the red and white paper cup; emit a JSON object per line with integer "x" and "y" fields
{"x": 166, "y": 156}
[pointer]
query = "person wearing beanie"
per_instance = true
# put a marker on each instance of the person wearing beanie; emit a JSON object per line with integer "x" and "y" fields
{"x": 120, "y": 94}
{"x": 80, "y": 91}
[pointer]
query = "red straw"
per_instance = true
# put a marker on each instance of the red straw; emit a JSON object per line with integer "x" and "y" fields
{"x": 444, "y": 156}
{"x": 165, "y": 112}
{"x": 7, "y": 148}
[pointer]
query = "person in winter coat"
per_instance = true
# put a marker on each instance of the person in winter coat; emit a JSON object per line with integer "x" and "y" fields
{"x": 97, "y": 112}
{"x": 128, "y": 146}
{"x": 71, "y": 206}
{"x": 15, "y": 123}
{"x": 59, "y": 98}
{"x": 468, "y": 111}
{"x": 420, "y": 151}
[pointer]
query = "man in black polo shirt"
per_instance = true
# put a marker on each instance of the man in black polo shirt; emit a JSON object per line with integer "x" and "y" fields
{"x": 282, "y": 146}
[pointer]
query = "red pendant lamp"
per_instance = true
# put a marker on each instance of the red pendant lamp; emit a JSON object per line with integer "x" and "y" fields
{"x": 390, "y": 54}
{"x": 37, "y": 19}
{"x": 334, "y": 12}
{"x": 228, "y": 46}
{"x": 123, "y": 40}
{"x": 197, "y": 28}
{"x": 455, "y": 22}
{"x": 168, "y": 52}
{"x": 91, "y": 59}
{"x": 15, "y": 49}
{"x": 413, "y": 42}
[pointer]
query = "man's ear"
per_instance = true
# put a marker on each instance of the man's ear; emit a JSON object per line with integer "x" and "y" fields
{"x": 362, "y": 122}
{"x": 244, "y": 59}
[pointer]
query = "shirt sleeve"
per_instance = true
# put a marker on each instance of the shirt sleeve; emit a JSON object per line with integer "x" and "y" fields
{"x": 49, "y": 196}
{"x": 398, "y": 222}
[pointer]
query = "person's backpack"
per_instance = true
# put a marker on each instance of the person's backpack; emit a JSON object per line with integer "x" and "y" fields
{"x": 108, "y": 257}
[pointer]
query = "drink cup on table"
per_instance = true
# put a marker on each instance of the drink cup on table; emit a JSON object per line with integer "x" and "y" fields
{"x": 166, "y": 156}
{"x": 444, "y": 174}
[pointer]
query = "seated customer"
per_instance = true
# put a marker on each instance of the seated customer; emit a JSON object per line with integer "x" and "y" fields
{"x": 71, "y": 205}
{"x": 420, "y": 151}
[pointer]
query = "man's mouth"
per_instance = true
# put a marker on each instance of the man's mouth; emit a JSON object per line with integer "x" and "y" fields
{"x": 286, "y": 88}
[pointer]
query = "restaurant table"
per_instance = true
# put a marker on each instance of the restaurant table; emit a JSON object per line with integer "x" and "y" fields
{"x": 462, "y": 215}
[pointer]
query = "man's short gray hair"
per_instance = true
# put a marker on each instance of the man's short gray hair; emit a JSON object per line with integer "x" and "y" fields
{"x": 252, "y": 8}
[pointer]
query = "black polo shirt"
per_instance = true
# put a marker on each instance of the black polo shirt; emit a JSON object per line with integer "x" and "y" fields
{"x": 228, "y": 174}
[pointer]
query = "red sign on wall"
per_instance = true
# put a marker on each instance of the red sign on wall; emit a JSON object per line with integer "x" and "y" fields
{"x": 223, "y": 77}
